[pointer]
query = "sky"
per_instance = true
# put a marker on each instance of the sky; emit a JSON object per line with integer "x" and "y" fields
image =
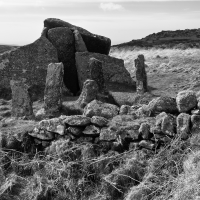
{"x": 21, "y": 21}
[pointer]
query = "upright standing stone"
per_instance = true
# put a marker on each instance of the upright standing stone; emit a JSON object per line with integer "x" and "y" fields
{"x": 21, "y": 100}
{"x": 141, "y": 76}
{"x": 63, "y": 40}
{"x": 96, "y": 71}
{"x": 53, "y": 89}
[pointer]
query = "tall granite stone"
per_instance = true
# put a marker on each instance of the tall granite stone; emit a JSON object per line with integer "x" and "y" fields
{"x": 113, "y": 68}
{"x": 28, "y": 63}
{"x": 63, "y": 40}
{"x": 141, "y": 76}
{"x": 53, "y": 88}
{"x": 96, "y": 71}
{"x": 21, "y": 100}
{"x": 94, "y": 43}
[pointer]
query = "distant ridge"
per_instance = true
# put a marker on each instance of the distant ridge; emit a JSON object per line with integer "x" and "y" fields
{"x": 4, "y": 48}
{"x": 188, "y": 38}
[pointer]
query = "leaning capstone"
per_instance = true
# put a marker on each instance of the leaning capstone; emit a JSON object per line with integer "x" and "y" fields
{"x": 183, "y": 125}
{"x": 141, "y": 76}
{"x": 186, "y": 101}
{"x": 53, "y": 88}
{"x": 89, "y": 93}
{"x": 21, "y": 100}
{"x": 79, "y": 43}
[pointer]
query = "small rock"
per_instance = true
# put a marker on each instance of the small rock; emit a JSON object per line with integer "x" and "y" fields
{"x": 183, "y": 125}
{"x": 53, "y": 125}
{"x": 162, "y": 104}
{"x": 42, "y": 134}
{"x": 107, "y": 134}
{"x": 195, "y": 112}
{"x": 195, "y": 119}
{"x": 99, "y": 121}
{"x": 97, "y": 108}
{"x": 166, "y": 123}
{"x": 76, "y": 131}
{"x": 147, "y": 144}
{"x": 77, "y": 120}
{"x": 124, "y": 109}
{"x": 82, "y": 140}
{"x": 92, "y": 130}
{"x": 144, "y": 130}
{"x": 186, "y": 100}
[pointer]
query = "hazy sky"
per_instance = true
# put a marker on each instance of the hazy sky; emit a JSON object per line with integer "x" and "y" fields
{"x": 21, "y": 21}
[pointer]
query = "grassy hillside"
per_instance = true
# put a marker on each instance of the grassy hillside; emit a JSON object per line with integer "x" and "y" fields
{"x": 168, "y": 70}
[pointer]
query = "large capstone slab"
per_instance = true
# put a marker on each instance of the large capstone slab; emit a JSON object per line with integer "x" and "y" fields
{"x": 27, "y": 63}
{"x": 93, "y": 42}
{"x": 63, "y": 40}
{"x": 113, "y": 68}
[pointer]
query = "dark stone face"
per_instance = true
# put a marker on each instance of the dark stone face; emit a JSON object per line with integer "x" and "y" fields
{"x": 63, "y": 40}
{"x": 27, "y": 63}
{"x": 94, "y": 43}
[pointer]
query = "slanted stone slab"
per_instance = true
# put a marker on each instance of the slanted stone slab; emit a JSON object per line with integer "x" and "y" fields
{"x": 77, "y": 120}
{"x": 63, "y": 40}
{"x": 21, "y": 100}
{"x": 53, "y": 88}
{"x": 79, "y": 43}
{"x": 113, "y": 68}
{"x": 88, "y": 93}
{"x": 28, "y": 63}
{"x": 99, "y": 121}
{"x": 93, "y": 42}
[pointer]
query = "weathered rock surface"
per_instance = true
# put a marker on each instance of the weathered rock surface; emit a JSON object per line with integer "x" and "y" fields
{"x": 77, "y": 120}
{"x": 163, "y": 104}
{"x": 63, "y": 40}
{"x": 107, "y": 134}
{"x": 93, "y": 42}
{"x": 53, "y": 125}
{"x": 186, "y": 100}
{"x": 147, "y": 144}
{"x": 53, "y": 88}
{"x": 21, "y": 100}
{"x": 88, "y": 93}
{"x": 195, "y": 119}
{"x": 141, "y": 76}
{"x": 183, "y": 125}
{"x": 113, "y": 68}
{"x": 99, "y": 121}
{"x": 166, "y": 123}
{"x": 79, "y": 43}
{"x": 76, "y": 131}
{"x": 97, "y": 108}
{"x": 144, "y": 130}
{"x": 96, "y": 71}
{"x": 44, "y": 32}
{"x": 91, "y": 131}
{"x": 42, "y": 134}
{"x": 28, "y": 63}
